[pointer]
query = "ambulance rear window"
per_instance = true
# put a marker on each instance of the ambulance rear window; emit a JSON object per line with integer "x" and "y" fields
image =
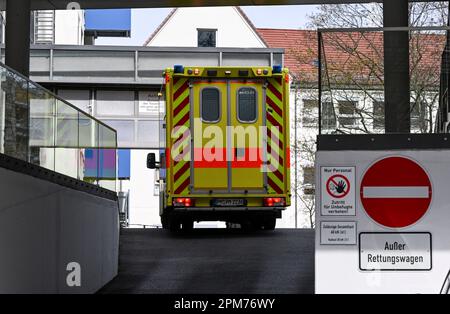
{"x": 210, "y": 105}
{"x": 247, "y": 105}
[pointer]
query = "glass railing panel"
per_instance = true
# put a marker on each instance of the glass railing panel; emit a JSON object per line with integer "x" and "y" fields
{"x": 107, "y": 172}
{"x": 39, "y": 127}
{"x": 2, "y": 108}
{"x": 66, "y": 146}
{"x": 88, "y": 149}
{"x": 42, "y": 127}
{"x": 15, "y": 115}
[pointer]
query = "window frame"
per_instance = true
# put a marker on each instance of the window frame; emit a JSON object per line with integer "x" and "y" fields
{"x": 353, "y": 116}
{"x": 309, "y": 120}
{"x": 207, "y": 30}
{"x": 327, "y": 119}
{"x": 379, "y": 120}
{"x": 220, "y": 104}
{"x": 256, "y": 105}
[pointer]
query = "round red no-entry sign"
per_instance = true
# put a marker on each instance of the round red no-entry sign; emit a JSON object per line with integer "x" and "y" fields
{"x": 396, "y": 192}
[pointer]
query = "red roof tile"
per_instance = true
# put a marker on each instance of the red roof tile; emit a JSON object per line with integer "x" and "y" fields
{"x": 351, "y": 55}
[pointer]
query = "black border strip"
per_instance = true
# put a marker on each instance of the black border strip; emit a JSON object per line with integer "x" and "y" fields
{"x": 394, "y": 270}
{"x": 20, "y": 166}
{"x": 363, "y": 142}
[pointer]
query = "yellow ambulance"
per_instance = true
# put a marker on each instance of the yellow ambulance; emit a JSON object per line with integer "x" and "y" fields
{"x": 227, "y": 154}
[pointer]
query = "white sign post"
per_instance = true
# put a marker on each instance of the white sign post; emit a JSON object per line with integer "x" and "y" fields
{"x": 383, "y": 220}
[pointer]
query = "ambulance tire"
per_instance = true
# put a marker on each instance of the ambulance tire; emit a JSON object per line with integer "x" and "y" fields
{"x": 269, "y": 224}
{"x": 164, "y": 222}
{"x": 174, "y": 224}
{"x": 187, "y": 225}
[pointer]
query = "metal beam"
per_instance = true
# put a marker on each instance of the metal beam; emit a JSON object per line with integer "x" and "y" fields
{"x": 132, "y": 66}
{"x": 396, "y": 67}
{"x": 116, "y": 4}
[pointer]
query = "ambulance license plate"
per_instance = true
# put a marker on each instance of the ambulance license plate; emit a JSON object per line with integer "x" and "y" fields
{"x": 228, "y": 202}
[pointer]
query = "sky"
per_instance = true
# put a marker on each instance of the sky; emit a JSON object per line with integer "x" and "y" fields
{"x": 145, "y": 21}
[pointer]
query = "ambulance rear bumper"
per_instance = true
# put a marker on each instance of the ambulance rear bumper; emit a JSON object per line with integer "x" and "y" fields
{"x": 226, "y": 213}
{"x": 228, "y": 209}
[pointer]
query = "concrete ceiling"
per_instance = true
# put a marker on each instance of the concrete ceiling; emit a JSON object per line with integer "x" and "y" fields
{"x": 110, "y": 4}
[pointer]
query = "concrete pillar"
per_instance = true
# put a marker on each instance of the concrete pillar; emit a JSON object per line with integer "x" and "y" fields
{"x": 17, "y": 56}
{"x": 17, "y": 43}
{"x": 396, "y": 67}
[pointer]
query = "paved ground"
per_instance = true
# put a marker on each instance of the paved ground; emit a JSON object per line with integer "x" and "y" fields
{"x": 215, "y": 261}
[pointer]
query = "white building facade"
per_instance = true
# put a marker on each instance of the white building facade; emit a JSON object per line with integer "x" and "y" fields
{"x": 58, "y": 27}
{"x": 197, "y": 27}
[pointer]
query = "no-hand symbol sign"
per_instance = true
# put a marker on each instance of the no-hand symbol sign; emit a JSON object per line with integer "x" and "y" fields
{"x": 338, "y": 186}
{"x": 396, "y": 192}
{"x": 337, "y": 191}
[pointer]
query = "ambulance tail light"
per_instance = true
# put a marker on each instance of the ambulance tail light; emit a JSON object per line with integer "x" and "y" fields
{"x": 183, "y": 202}
{"x": 274, "y": 201}
{"x": 178, "y": 68}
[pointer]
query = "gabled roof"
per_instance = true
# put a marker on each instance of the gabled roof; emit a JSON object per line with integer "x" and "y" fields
{"x": 252, "y": 26}
{"x": 239, "y": 10}
{"x": 160, "y": 26}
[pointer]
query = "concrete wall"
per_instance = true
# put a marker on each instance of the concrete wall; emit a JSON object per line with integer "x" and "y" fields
{"x": 44, "y": 227}
{"x": 232, "y": 28}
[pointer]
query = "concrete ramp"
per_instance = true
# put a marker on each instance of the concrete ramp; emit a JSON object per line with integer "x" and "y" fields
{"x": 215, "y": 261}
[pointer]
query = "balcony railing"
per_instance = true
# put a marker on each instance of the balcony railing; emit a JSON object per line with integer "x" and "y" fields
{"x": 38, "y": 127}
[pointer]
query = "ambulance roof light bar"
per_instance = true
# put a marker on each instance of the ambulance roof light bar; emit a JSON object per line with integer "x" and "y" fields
{"x": 277, "y": 69}
{"x": 177, "y": 68}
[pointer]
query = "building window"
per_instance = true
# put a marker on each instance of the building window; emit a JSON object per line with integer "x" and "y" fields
{"x": 309, "y": 180}
{"x": 207, "y": 37}
{"x": 418, "y": 112}
{"x": 247, "y": 105}
{"x": 347, "y": 113}
{"x": 310, "y": 112}
{"x": 115, "y": 103}
{"x": 210, "y": 105}
{"x": 328, "y": 116}
{"x": 378, "y": 114}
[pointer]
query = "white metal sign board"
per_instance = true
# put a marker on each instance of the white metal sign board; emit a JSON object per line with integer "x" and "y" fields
{"x": 337, "y": 233}
{"x": 395, "y": 251}
{"x": 383, "y": 221}
{"x": 337, "y": 191}
{"x": 150, "y": 104}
